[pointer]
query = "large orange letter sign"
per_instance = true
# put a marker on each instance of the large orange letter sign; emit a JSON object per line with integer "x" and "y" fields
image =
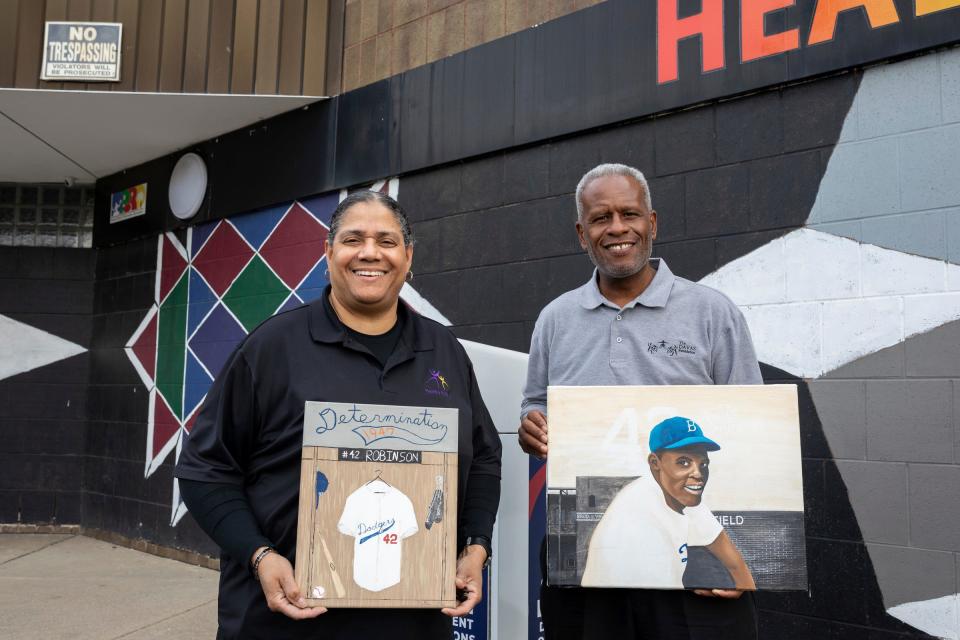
{"x": 879, "y": 12}
{"x": 708, "y": 24}
{"x": 932, "y": 6}
{"x": 753, "y": 43}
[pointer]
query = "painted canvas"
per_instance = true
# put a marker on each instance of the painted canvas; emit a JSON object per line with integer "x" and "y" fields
{"x": 377, "y": 521}
{"x": 675, "y": 487}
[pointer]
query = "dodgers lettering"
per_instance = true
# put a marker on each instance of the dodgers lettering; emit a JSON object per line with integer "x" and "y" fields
{"x": 369, "y": 532}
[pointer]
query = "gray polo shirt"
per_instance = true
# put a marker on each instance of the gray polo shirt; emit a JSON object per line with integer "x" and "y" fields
{"x": 675, "y": 332}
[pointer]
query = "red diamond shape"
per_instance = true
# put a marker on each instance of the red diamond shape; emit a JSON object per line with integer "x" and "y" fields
{"x": 165, "y": 425}
{"x": 145, "y": 348}
{"x": 295, "y": 246}
{"x": 223, "y": 256}
{"x": 172, "y": 265}
{"x": 188, "y": 425}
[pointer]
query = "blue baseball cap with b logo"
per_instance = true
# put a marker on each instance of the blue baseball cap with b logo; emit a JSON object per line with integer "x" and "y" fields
{"x": 678, "y": 432}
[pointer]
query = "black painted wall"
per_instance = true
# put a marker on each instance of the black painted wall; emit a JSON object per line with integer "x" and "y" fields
{"x": 496, "y": 238}
{"x": 43, "y": 412}
{"x": 844, "y": 600}
{"x": 590, "y": 68}
{"x": 117, "y": 496}
{"x": 496, "y": 242}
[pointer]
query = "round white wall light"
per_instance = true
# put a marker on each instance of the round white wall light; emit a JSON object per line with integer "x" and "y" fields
{"x": 188, "y": 184}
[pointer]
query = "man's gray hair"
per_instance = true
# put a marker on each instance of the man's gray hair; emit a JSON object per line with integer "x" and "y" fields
{"x": 611, "y": 169}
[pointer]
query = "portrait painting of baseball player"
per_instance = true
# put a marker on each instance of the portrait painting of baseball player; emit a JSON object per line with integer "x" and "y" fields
{"x": 644, "y": 537}
{"x": 675, "y": 487}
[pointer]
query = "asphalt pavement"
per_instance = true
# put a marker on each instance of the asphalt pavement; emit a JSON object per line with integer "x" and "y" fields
{"x": 69, "y": 586}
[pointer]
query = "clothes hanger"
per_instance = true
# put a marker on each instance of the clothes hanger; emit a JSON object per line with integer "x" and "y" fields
{"x": 378, "y": 477}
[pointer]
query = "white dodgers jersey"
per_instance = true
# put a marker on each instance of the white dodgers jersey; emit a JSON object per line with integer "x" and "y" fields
{"x": 378, "y": 516}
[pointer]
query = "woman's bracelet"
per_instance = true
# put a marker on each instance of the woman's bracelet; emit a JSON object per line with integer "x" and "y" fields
{"x": 260, "y": 556}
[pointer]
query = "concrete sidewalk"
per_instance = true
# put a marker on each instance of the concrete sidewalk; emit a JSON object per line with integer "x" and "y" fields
{"x": 68, "y": 586}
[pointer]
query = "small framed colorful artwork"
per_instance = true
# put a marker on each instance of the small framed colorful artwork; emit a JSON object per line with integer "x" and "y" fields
{"x": 378, "y": 506}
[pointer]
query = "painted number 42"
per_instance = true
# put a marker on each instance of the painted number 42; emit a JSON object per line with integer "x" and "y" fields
{"x": 390, "y": 538}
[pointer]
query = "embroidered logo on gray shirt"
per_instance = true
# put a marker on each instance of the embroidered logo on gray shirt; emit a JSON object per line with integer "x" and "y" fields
{"x": 671, "y": 348}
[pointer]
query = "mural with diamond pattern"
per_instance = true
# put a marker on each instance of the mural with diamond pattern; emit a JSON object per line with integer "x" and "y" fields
{"x": 829, "y": 209}
{"x": 211, "y": 291}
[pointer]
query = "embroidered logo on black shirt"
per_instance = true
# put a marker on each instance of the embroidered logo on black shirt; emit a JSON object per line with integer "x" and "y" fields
{"x": 436, "y": 384}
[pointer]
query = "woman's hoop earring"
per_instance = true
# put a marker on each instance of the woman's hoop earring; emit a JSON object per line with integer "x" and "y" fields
{"x": 326, "y": 273}
{"x": 409, "y": 276}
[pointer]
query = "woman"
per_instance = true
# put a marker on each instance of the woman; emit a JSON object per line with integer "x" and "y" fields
{"x": 239, "y": 469}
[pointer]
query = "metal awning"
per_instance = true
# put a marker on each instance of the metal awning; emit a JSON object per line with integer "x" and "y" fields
{"x": 79, "y": 136}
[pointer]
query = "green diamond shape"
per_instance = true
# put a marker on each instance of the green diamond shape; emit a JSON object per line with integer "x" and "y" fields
{"x": 172, "y": 346}
{"x": 255, "y": 295}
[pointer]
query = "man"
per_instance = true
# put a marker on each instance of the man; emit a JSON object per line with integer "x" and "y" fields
{"x": 668, "y": 507}
{"x": 634, "y": 323}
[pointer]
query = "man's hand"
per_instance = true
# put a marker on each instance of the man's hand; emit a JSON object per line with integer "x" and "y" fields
{"x": 469, "y": 580}
{"x": 533, "y": 434}
{"x": 281, "y": 590}
{"x": 730, "y": 594}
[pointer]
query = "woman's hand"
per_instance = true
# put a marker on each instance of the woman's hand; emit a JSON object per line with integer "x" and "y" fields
{"x": 469, "y": 580}
{"x": 281, "y": 590}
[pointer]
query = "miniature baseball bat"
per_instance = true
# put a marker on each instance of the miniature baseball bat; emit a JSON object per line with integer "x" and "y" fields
{"x": 337, "y": 585}
{"x": 321, "y": 486}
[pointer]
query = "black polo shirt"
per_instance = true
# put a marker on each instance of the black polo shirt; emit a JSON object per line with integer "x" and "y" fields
{"x": 249, "y": 432}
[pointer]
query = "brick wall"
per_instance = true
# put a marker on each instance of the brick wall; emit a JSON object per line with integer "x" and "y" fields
{"x": 118, "y": 495}
{"x": 891, "y": 418}
{"x": 891, "y": 415}
{"x": 902, "y": 151}
{"x": 46, "y": 296}
{"x": 744, "y": 188}
{"x": 866, "y": 300}
{"x": 384, "y": 37}
{"x": 496, "y": 235}
{"x": 730, "y": 181}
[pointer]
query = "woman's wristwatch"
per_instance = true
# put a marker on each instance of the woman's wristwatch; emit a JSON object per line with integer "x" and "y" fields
{"x": 484, "y": 542}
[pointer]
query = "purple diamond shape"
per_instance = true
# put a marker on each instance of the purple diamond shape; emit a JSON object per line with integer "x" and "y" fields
{"x": 216, "y": 339}
{"x": 292, "y": 303}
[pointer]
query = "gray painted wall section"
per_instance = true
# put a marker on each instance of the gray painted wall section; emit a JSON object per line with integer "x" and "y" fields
{"x": 892, "y": 420}
{"x": 894, "y": 178}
